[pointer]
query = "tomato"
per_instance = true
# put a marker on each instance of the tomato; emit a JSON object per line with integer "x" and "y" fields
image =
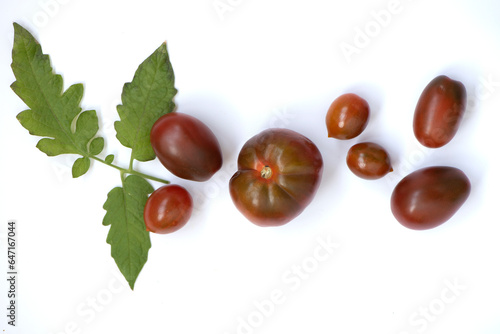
{"x": 347, "y": 116}
{"x": 368, "y": 161}
{"x": 279, "y": 172}
{"x": 168, "y": 209}
{"x": 439, "y": 112}
{"x": 429, "y": 196}
{"x": 186, "y": 146}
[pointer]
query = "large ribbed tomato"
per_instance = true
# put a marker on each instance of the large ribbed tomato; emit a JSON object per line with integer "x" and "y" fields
{"x": 279, "y": 172}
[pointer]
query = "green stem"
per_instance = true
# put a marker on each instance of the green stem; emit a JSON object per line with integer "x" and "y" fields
{"x": 149, "y": 177}
{"x": 131, "y": 163}
{"x": 124, "y": 171}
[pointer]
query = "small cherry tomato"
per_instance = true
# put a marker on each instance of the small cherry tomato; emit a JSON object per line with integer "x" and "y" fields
{"x": 439, "y": 112}
{"x": 168, "y": 209}
{"x": 347, "y": 116}
{"x": 429, "y": 196}
{"x": 186, "y": 146}
{"x": 368, "y": 161}
{"x": 279, "y": 171}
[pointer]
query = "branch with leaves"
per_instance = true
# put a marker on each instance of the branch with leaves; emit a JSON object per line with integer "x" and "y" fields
{"x": 56, "y": 116}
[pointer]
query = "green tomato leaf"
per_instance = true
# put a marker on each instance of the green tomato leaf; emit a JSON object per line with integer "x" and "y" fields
{"x": 109, "y": 158}
{"x": 53, "y": 114}
{"x": 80, "y": 167}
{"x": 149, "y": 96}
{"x": 127, "y": 235}
{"x": 96, "y": 146}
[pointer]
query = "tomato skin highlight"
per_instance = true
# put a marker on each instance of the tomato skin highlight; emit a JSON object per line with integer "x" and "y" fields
{"x": 168, "y": 209}
{"x": 347, "y": 116}
{"x": 439, "y": 112}
{"x": 186, "y": 146}
{"x": 279, "y": 172}
{"x": 429, "y": 196}
{"x": 368, "y": 161}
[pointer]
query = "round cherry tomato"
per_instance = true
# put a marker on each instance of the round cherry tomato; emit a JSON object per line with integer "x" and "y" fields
{"x": 279, "y": 172}
{"x": 347, "y": 116}
{"x": 368, "y": 161}
{"x": 429, "y": 196}
{"x": 439, "y": 111}
{"x": 168, "y": 209}
{"x": 186, "y": 146}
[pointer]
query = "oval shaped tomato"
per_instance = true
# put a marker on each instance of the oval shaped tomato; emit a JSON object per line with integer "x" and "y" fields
{"x": 368, "y": 160}
{"x": 429, "y": 196}
{"x": 439, "y": 111}
{"x": 279, "y": 172}
{"x": 168, "y": 209}
{"x": 347, "y": 116}
{"x": 186, "y": 146}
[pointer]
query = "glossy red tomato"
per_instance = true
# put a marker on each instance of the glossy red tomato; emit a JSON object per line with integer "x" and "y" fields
{"x": 186, "y": 146}
{"x": 368, "y": 161}
{"x": 279, "y": 172}
{"x": 347, "y": 116}
{"x": 429, "y": 196}
{"x": 168, "y": 209}
{"x": 439, "y": 112}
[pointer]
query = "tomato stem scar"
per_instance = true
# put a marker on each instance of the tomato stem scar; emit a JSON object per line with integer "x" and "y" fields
{"x": 266, "y": 172}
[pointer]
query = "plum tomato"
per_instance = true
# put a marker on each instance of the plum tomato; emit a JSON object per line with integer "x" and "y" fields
{"x": 347, "y": 116}
{"x": 439, "y": 112}
{"x": 186, "y": 146}
{"x": 368, "y": 161}
{"x": 279, "y": 172}
{"x": 168, "y": 209}
{"x": 429, "y": 196}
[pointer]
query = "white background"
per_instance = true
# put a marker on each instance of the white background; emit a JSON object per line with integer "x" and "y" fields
{"x": 253, "y": 65}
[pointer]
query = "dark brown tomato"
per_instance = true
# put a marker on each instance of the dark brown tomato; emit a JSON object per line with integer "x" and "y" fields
{"x": 279, "y": 172}
{"x": 368, "y": 161}
{"x": 186, "y": 146}
{"x": 439, "y": 112}
{"x": 347, "y": 116}
{"x": 168, "y": 209}
{"x": 429, "y": 196}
